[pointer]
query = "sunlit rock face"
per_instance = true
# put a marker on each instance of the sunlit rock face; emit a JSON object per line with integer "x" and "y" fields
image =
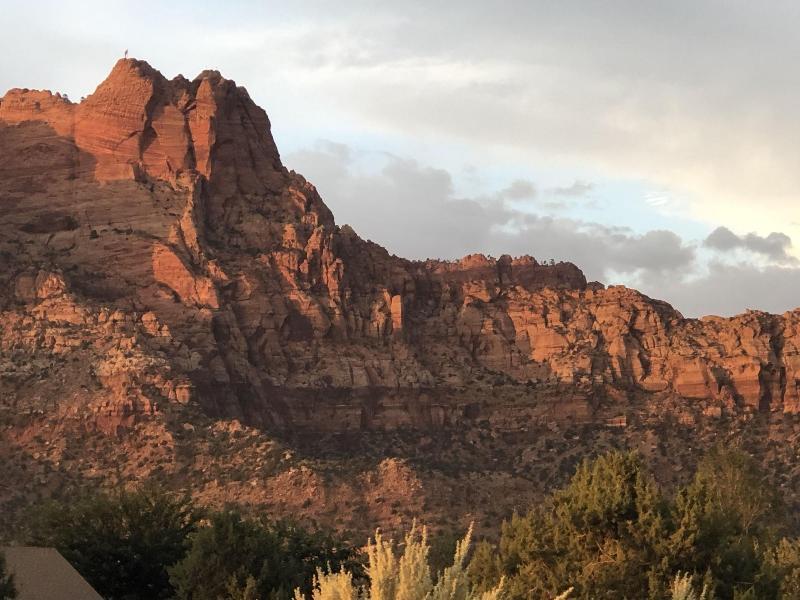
{"x": 177, "y": 306}
{"x": 154, "y": 250}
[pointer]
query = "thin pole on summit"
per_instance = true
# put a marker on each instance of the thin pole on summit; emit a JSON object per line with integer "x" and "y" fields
{"x": 126, "y": 53}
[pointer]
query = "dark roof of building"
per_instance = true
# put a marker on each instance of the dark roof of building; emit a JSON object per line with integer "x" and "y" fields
{"x": 43, "y": 574}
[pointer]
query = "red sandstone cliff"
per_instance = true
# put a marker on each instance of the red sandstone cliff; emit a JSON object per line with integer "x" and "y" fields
{"x": 152, "y": 234}
{"x": 162, "y": 275}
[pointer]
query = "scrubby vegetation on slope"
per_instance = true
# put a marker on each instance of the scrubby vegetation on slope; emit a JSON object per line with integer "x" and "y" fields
{"x": 611, "y": 533}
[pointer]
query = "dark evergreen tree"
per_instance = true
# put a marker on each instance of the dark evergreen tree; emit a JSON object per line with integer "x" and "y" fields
{"x": 121, "y": 543}
{"x": 725, "y": 520}
{"x": 610, "y": 534}
{"x": 237, "y": 556}
{"x": 604, "y": 534}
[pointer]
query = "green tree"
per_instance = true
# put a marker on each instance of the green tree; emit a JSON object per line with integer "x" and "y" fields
{"x": 603, "y": 534}
{"x": 780, "y": 572}
{"x": 7, "y": 589}
{"x": 724, "y": 519}
{"x": 610, "y": 533}
{"x": 487, "y": 567}
{"x": 442, "y": 548}
{"x": 121, "y": 543}
{"x": 243, "y": 558}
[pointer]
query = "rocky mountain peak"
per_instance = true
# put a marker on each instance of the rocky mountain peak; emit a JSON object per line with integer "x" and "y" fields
{"x": 161, "y": 270}
{"x": 139, "y": 125}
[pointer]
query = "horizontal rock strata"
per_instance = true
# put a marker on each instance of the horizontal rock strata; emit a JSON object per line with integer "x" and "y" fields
{"x": 151, "y": 233}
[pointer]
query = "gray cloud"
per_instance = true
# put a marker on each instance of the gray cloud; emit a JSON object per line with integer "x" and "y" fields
{"x": 727, "y": 289}
{"x": 774, "y": 246}
{"x": 564, "y": 197}
{"x": 412, "y": 210}
{"x": 520, "y": 189}
{"x": 685, "y": 94}
{"x": 603, "y": 253}
{"x": 407, "y": 207}
{"x": 578, "y": 189}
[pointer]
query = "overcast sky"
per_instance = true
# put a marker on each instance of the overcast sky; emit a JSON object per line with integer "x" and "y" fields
{"x": 654, "y": 144}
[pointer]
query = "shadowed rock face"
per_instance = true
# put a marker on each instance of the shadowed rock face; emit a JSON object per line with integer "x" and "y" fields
{"x": 162, "y": 276}
{"x": 154, "y": 250}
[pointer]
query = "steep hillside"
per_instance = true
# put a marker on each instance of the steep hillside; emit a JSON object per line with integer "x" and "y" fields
{"x": 176, "y": 304}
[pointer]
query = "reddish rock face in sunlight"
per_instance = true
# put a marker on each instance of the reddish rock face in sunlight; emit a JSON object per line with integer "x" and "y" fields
{"x": 157, "y": 260}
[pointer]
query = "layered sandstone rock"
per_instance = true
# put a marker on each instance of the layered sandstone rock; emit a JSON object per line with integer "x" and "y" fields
{"x": 152, "y": 233}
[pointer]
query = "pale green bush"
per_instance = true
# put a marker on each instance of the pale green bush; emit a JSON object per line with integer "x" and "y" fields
{"x": 682, "y": 589}
{"x": 405, "y": 578}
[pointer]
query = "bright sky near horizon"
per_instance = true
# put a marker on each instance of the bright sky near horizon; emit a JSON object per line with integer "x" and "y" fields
{"x": 654, "y": 144}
